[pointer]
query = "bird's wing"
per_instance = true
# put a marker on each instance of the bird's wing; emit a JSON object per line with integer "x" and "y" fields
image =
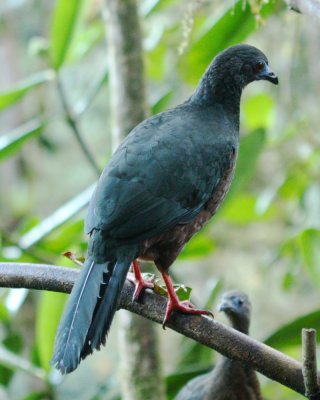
{"x": 162, "y": 175}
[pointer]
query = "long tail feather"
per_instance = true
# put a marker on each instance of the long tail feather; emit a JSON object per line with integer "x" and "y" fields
{"x": 77, "y": 316}
{"x": 106, "y": 307}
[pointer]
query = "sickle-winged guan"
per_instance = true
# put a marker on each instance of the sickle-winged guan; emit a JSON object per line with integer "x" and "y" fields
{"x": 162, "y": 184}
{"x": 229, "y": 380}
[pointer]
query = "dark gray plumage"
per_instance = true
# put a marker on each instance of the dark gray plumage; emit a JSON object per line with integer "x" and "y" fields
{"x": 164, "y": 182}
{"x": 229, "y": 380}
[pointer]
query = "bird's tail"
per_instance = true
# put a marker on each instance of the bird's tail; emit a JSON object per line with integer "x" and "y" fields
{"x": 89, "y": 311}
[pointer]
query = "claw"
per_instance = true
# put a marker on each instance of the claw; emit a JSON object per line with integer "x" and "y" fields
{"x": 175, "y": 304}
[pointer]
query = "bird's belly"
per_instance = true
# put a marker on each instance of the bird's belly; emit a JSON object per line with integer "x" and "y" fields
{"x": 165, "y": 248}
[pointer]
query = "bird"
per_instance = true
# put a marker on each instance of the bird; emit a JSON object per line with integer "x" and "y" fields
{"x": 229, "y": 380}
{"x": 163, "y": 183}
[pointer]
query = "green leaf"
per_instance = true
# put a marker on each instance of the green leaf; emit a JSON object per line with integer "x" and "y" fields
{"x": 59, "y": 217}
{"x": 290, "y": 334}
{"x": 85, "y": 39}
{"x": 84, "y": 103}
{"x": 43, "y": 395}
{"x": 162, "y": 102}
{"x": 12, "y": 142}
{"x": 296, "y": 181}
{"x": 243, "y": 209}
{"x": 13, "y": 95}
{"x": 183, "y": 292}
{"x": 232, "y": 27}
{"x": 258, "y": 111}
{"x": 62, "y": 28}
{"x": 310, "y": 251}
{"x": 201, "y": 245}
{"x": 48, "y": 315}
{"x": 4, "y": 315}
{"x": 251, "y": 147}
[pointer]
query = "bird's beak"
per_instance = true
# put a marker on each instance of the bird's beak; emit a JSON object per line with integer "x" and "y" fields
{"x": 269, "y": 75}
{"x": 226, "y": 305}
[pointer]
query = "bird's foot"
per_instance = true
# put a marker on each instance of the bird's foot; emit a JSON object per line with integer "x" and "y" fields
{"x": 184, "y": 306}
{"x": 175, "y": 304}
{"x": 139, "y": 282}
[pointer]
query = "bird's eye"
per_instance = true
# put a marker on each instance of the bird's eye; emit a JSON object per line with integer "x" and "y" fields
{"x": 259, "y": 66}
{"x": 240, "y": 302}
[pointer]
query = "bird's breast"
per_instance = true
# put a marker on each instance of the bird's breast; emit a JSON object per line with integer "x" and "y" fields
{"x": 165, "y": 248}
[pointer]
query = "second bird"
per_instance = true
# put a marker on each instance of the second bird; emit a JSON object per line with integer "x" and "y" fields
{"x": 229, "y": 380}
{"x": 164, "y": 182}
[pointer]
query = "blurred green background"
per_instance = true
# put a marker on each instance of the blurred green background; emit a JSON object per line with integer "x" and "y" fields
{"x": 264, "y": 240}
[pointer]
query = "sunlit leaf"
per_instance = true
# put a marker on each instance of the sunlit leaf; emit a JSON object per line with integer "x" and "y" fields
{"x": 215, "y": 286}
{"x": 84, "y": 103}
{"x": 12, "y": 142}
{"x": 56, "y": 219}
{"x": 155, "y": 62}
{"x": 183, "y": 292}
{"x": 243, "y": 209}
{"x": 48, "y": 315}
{"x": 258, "y": 111}
{"x": 86, "y": 39}
{"x": 4, "y": 315}
{"x": 162, "y": 103}
{"x": 310, "y": 250}
{"x": 295, "y": 183}
{"x": 16, "y": 93}
{"x": 290, "y": 334}
{"x": 289, "y": 279}
{"x": 201, "y": 245}
{"x": 63, "y": 23}
{"x": 232, "y": 27}
{"x": 251, "y": 147}
{"x": 150, "y": 6}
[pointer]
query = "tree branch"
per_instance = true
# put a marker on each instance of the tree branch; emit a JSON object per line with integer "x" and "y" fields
{"x": 227, "y": 341}
{"x": 308, "y": 7}
{"x": 309, "y": 363}
{"x": 72, "y": 122}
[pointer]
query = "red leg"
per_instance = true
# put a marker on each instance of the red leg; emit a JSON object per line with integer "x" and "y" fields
{"x": 139, "y": 282}
{"x": 175, "y": 304}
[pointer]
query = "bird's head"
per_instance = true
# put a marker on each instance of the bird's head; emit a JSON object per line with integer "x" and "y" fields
{"x": 236, "y": 305}
{"x": 243, "y": 64}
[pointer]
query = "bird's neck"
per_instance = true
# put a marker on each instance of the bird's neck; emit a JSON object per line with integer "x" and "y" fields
{"x": 220, "y": 89}
{"x": 240, "y": 323}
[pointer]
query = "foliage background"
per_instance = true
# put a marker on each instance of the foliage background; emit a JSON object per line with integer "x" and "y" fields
{"x": 264, "y": 240}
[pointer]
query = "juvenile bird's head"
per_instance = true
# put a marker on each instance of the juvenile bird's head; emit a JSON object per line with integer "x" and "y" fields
{"x": 236, "y": 305}
{"x": 242, "y": 64}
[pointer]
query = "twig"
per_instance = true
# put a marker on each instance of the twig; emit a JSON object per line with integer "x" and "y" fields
{"x": 12, "y": 360}
{"x": 231, "y": 343}
{"x": 308, "y": 7}
{"x": 309, "y": 363}
{"x": 71, "y": 121}
{"x": 83, "y": 104}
